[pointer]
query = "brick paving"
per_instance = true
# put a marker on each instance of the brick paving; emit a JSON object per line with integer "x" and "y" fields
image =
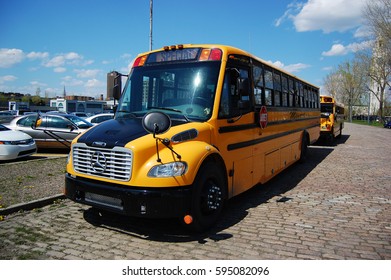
{"x": 304, "y": 213}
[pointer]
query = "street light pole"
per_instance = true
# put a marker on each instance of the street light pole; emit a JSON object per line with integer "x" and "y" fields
{"x": 150, "y": 23}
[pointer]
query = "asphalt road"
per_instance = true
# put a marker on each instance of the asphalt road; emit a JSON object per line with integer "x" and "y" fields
{"x": 337, "y": 205}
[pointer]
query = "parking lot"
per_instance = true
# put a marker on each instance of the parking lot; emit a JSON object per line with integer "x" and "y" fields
{"x": 337, "y": 205}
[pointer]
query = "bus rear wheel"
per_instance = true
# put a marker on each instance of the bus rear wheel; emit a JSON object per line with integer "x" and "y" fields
{"x": 304, "y": 147}
{"x": 208, "y": 196}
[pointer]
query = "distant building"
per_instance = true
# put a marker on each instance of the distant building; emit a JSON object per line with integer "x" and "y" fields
{"x": 73, "y": 105}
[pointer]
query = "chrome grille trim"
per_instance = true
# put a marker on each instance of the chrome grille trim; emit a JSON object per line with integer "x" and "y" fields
{"x": 117, "y": 162}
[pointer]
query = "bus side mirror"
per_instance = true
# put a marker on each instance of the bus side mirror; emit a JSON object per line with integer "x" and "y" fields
{"x": 114, "y": 81}
{"x": 117, "y": 92}
{"x": 243, "y": 86}
{"x": 37, "y": 123}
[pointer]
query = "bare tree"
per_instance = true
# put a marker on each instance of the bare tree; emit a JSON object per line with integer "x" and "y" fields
{"x": 353, "y": 79}
{"x": 332, "y": 85}
{"x": 377, "y": 14}
{"x": 378, "y": 18}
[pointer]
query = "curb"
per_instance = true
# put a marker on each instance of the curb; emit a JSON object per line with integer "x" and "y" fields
{"x": 30, "y": 205}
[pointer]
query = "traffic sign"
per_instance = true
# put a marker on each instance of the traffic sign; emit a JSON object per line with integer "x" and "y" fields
{"x": 263, "y": 117}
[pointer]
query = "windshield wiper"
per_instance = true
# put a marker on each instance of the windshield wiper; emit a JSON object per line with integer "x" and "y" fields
{"x": 171, "y": 109}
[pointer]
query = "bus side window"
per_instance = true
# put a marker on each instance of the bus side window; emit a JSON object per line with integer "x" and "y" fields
{"x": 231, "y": 94}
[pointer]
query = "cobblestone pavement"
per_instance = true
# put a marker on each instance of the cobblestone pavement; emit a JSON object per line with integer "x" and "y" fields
{"x": 337, "y": 205}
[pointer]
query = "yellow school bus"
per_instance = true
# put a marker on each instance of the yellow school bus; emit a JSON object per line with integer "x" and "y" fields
{"x": 195, "y": 125}
{"x": 332, "y": 118}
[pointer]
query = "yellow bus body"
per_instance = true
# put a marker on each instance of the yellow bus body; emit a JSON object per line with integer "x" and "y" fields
{"x": 242, "y": 149}
{"x": 332, "y": 118}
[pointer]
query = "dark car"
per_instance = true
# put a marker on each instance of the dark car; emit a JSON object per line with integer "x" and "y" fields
{"x": 51, "y": 130}
{"x": 6, "y": 117}
{"x": 387, "y": 124}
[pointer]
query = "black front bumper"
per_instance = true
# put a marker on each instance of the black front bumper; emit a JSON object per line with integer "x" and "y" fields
{"x": 131, "y": 201}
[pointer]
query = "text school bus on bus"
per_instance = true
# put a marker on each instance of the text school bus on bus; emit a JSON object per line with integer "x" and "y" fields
{"x": 195, "y": 125}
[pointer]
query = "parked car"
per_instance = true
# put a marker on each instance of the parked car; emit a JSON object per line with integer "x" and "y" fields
{"x": 51, "y": 130}
{"x": 82, "y": 114}
{"x": 98, "y": 118}
{"x": 6, "y": 116}
{"x": 15, "y": 144}
{"x": 387, "y": 123}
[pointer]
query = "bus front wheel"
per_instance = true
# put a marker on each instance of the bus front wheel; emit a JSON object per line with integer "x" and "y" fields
{"x": 208, "y": 196}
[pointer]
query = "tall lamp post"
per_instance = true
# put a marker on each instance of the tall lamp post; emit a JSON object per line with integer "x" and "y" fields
{"x": 150, "y": 23}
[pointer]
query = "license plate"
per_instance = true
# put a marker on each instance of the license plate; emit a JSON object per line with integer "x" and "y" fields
{"x": 103, "y": 200}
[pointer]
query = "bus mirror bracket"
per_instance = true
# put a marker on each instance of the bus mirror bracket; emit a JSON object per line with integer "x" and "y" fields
{"x": 158, "y": 123}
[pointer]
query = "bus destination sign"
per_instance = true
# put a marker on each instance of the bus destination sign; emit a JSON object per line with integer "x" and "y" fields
{"x": 174, "y": 55}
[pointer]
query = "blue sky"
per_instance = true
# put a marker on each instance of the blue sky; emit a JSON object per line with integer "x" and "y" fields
{"x": 49, "y": 44}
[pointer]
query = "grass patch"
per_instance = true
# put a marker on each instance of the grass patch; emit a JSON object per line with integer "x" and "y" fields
{"x": 377, "y": 124}
{"x": 23, "y": 234}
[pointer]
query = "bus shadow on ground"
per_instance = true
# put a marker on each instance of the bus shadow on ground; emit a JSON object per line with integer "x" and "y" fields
{"x": 171, "y": 230}
{"x": 332, "y": 143}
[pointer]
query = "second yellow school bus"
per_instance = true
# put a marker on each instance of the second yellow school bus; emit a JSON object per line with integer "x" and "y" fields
{"x": 195, "y": 126}
{"x": 332, "y": 118}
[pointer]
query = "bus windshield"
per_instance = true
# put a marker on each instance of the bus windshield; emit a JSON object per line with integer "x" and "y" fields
{"x": 326, "y": 109}
{"x": 182, "y": 90}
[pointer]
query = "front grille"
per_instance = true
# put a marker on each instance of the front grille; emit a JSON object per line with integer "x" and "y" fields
{"x": 115, "y": 164}
{"x": 27, "y": 152}
{"x": 23, "y": 142}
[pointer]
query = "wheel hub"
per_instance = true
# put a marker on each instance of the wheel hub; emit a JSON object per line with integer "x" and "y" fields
{"x": 214, "y": 197}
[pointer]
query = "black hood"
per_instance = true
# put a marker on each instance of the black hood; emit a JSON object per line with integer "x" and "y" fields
{"x": 113, "y": 133}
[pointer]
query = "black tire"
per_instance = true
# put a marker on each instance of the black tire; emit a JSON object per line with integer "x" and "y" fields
{"x": 304, "y": 148}
{"x": 209, "y": 195}
{"x": 340, "y": 133}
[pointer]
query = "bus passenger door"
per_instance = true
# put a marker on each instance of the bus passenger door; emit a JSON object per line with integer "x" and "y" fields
{"x": 236, "y": 127}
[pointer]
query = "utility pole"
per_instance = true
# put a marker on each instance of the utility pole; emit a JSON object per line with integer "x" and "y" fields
{"x": 150, "y": 24}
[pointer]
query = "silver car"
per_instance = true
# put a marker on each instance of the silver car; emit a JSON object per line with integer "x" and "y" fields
{"x": 51, "y": 130}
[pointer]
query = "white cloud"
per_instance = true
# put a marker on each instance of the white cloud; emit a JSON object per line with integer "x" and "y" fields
{"x": 37, "y": 84}
{"x": 55, "y": 61}
{"x": 37, "y": 55}
{"x": 88, "y": 62}
{"x": 362, "y": 32}
{"x": 325, "y": 15}
{"x": 339, "y": 49}
{"x": 70, "y": 81}
{"x": 94, "y": 83}
{"x": 7, "y": 78}
{"x": 59, "y": 69}
{"x": 62, "y": 59}
{"x": 89, "y": 73}
{"x": 336, "y": 50}
{"x": 292, "y": 68}
{"x": 72, "y": 56}
{"x": 10, "y": 57}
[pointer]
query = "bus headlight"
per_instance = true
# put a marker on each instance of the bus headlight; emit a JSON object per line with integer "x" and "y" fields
{"x": 171, "y": 169}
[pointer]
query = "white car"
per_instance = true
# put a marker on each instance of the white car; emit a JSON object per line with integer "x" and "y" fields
{"x": 96, "y": 119}
{"x": 15, "y": 144}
